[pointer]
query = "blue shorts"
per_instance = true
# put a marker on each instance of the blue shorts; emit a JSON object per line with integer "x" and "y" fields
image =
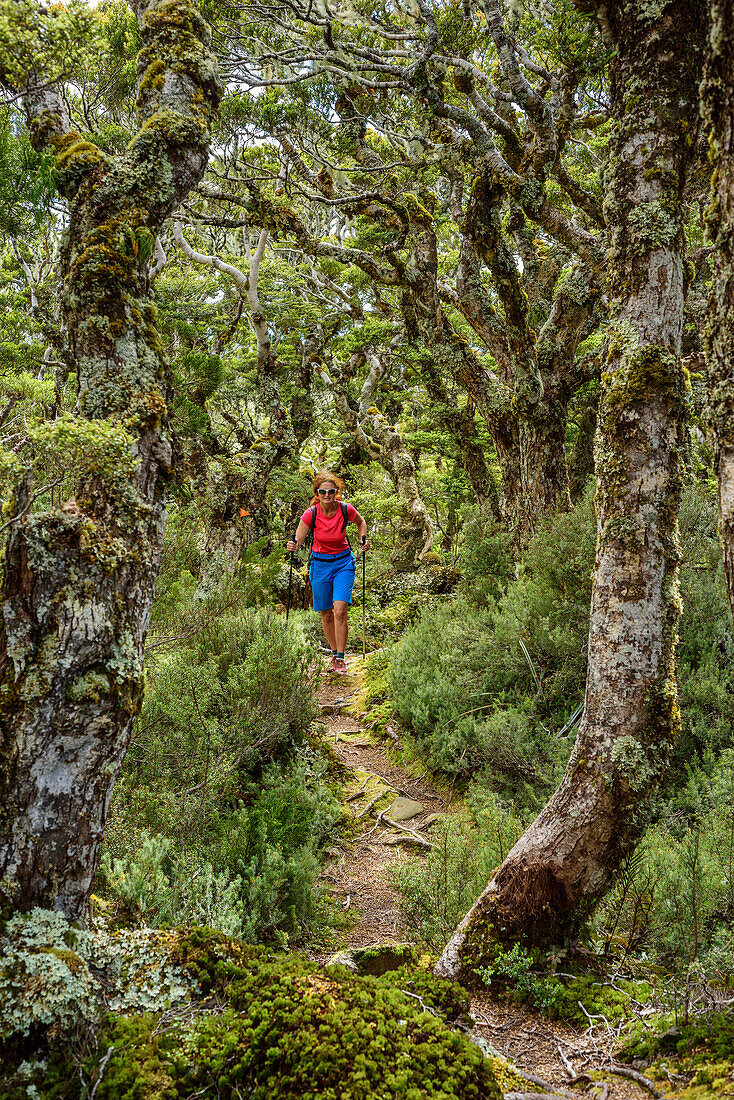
{"x": 332, "y": 578}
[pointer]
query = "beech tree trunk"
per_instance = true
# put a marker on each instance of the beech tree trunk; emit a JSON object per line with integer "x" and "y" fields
{"x": 581, "y": 462}
{"x": 718, "y": 106}
{"x": 566, "y": 858}
{"x": 241, "y": 495}
{"x": 471, "y": 456}
{"x": 546, "y": 487}
{"x": 382, "y": 441}
{"x": 78, "y": 583}
{"x": 451, "y": 357}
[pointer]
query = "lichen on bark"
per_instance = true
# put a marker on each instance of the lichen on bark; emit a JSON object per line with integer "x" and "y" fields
{"x": 718, "y": 110}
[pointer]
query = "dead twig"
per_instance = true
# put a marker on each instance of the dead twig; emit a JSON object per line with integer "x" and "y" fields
{"x": 102, "y": 1068}
{"x": 533, "y": 1080}
{"x": 567, "y": 1064}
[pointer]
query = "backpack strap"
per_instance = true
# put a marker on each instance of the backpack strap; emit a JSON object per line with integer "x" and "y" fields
{"x": 345, "y": 520}
{"x": 314, "y": 509}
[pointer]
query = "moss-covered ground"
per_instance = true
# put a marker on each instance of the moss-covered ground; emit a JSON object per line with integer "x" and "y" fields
{"x": 268, "y": 1025}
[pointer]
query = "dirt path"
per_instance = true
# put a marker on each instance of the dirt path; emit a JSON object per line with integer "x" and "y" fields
{"x": 360, "y": 877}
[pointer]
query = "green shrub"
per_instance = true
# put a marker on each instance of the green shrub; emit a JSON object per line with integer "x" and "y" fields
{"x": 436, "y": 892}
{"x": 486, "y": 560}
{"x": 513, "y": 970}
{"x": 221, "y": 807}
{"x": 480, "y": 685}
{"x": 675, "y": 896}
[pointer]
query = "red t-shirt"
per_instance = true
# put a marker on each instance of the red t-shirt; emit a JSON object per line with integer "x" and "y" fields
{"x": 328, "y": 538}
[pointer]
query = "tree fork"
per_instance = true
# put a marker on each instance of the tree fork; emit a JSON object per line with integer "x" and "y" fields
{"x": 78, "y": 583}
{"x": 567, "y": 857}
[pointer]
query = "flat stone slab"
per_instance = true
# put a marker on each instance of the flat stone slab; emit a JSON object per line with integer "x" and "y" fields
{"x": 403, "y": 809}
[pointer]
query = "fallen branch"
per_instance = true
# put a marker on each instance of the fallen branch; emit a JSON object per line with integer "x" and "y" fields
{"x": 568, "y": 1065}
{"x": 553, "y": 1090}
{"x": 624, "y": 1071}
{"x": 376, "y": 798}
{"x": 405, "y": 829}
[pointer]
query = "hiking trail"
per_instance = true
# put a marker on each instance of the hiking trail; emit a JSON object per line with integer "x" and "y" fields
{"x": 393, "y": 808}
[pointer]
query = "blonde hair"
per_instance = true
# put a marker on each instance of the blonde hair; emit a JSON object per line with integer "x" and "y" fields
{"x": 318, "y": 481}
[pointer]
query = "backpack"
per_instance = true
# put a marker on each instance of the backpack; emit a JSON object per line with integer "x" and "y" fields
{"x": 314, "y": 510}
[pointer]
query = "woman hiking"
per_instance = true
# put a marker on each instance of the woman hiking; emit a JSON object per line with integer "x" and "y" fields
{"x": 332, "y": 564}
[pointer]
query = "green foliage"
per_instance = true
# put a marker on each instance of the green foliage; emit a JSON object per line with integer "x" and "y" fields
{"x": 26, "y": 180}
{"x": 436, "y": 892}
{"x": 701, "y": 1040}
{"x": 479, "y": 684}
{"x": 514, "y": 969}
{"x": 37, "y": 40}
{"x": 487, "y": 559}
{"x": 222, "y": 807}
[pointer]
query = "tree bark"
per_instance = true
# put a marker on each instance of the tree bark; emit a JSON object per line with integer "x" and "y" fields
{"x": 718, "y": 109}
{"x": 78, "y": 583}
{"x": 565, "y": 860}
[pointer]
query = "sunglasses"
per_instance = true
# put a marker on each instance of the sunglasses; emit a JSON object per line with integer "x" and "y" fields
{"x": 326, "y": 492}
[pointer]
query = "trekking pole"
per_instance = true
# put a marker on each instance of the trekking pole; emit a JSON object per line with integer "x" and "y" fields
{"x": 364, "y": 611}
{"x": 290, "y": 582}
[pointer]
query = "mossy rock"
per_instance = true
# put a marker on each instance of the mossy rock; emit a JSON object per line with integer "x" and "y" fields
{"x": 378, "y": 958}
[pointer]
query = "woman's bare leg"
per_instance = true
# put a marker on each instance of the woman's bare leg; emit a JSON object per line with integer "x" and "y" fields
{"x": 327, "y": 620}
{"x": 341, "y": 625}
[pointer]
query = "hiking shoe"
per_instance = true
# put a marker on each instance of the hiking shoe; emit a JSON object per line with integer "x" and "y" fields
{"x": 340, "y": 665}
{"x": 335, "y": 664}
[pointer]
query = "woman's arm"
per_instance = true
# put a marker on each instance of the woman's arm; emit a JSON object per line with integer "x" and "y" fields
{"x": 301, "y": 535}
{"x": 362, "y": 532}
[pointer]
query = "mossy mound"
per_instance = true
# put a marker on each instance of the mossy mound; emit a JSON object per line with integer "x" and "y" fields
{"x": 275, "y": 1026}
{"x": 700, "y": 1053}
